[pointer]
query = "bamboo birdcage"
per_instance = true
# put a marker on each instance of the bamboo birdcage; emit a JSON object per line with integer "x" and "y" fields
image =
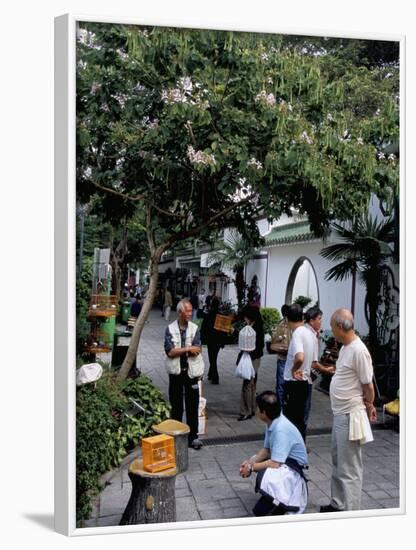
{"x": 223, "y": 323}
{"x": 247, "y": 339}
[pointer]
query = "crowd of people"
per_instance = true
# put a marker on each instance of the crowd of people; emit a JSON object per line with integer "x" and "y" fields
{"x": 280, "y": 463}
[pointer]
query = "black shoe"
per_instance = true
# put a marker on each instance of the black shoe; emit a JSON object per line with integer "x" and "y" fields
{"x": 244, "y": 417}
{"x": 196, "y": 444}
{"x": 328, "y": 508}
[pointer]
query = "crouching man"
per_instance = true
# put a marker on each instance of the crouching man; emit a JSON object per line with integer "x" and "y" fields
{"x": 279, "y": 464}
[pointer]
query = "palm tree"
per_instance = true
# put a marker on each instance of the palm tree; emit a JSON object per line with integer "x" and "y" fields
{"x": 363, "y": 251}
{"x": 234, "y": 253}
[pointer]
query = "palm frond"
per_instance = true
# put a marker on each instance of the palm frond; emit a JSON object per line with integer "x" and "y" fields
{"x": 341, "y": 271}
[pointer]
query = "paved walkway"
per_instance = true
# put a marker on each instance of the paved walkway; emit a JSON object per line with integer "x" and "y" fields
{"x": 211, "y": 488}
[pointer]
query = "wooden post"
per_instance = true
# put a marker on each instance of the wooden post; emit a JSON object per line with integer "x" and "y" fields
{"x": 180, "y": 432}
{"x": 152, "y": 498}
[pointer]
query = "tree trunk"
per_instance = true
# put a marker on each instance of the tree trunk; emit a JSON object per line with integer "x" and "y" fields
{"x": 373, "y": 285}
{"x": 144, "y": 313}
{"x": 354, "y": 277}
{"x": 152, "y": 497}
{"x": 117, "y": 261}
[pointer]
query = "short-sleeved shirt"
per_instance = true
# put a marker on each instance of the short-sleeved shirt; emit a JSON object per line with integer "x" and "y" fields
{"x": 354, "y": 367}
{"x": 284, "y": 441}
{"x": 303, "y": 341}
{"x": 169, "y": 344}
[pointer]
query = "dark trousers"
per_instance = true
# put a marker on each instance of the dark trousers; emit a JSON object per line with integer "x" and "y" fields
{"x": 296, "y": 395}
{"x": 181, "y": 385}
{"x": 213, "y": 350}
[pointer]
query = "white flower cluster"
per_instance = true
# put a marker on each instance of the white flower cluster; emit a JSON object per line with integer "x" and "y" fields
{"x": 264, "y": 56}
{"x": 283, "y": 105}
{"x": 95, "y": 87}
{"x": 88, "y": 39}
{"x": 144, "y": 33}
{"x": 381, "y": 156}
{"x": 122, "y": 53}
{"x": 305, "y": 137}
{"x": 265, "y": 98}
{"x": 360, "y": 141}
{"x": 149, "y": 156}
{"x": 200, "y": 157}
{"x": 150, "y": 124}
{"x": 139, "y": 88}
{"x": 242, "y": 181}
{"x": 345, "y": 136}
{"x": 121, "y": 99}
{"x": 183, "y": 93}
{"x": 329, "y": 117}
{"x": 105, "y": 108}
{"x": 255, "y": 164}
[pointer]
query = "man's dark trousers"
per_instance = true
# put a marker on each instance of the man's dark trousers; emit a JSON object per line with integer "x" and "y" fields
{"x": 180, "y": 384}
{"x": 296, "y": 394}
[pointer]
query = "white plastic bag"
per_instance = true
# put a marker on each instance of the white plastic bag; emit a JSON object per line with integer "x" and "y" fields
{"x": 89, "y": 373}
{"x": 245, "y": 368}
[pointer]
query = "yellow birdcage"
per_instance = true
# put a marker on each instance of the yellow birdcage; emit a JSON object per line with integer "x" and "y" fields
{"x": 158, "y": 453}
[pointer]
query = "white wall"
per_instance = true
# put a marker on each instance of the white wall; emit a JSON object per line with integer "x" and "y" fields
{"x": 258, "y": 267}
{"x": 332, "y": 295}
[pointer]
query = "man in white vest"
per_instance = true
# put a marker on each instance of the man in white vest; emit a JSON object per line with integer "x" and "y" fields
{"x": 352, "y": 402}
{"x": 185, "y": 367}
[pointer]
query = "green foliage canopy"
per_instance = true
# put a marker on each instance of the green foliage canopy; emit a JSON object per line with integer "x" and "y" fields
{"x": 205, "y": 129}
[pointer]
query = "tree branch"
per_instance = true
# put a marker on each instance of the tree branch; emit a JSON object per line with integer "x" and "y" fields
{"x": 210, "y": 222}
{"x": 134, "y": 199}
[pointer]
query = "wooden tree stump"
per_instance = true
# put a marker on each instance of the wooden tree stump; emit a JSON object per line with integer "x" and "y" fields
{"x": 152, "y": 498}
{"x": 180, "y": 432}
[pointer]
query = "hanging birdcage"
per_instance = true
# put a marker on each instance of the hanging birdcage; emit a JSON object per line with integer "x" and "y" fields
{"x": 247, "y": 339}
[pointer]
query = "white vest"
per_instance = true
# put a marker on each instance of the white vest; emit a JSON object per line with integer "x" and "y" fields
{"x": 195, "y": 364}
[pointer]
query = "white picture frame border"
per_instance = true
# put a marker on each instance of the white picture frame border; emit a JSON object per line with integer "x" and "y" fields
{"x": 65, "y": 273}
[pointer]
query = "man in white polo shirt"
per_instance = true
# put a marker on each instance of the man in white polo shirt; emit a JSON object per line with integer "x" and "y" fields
{"x": 352, "y": 397}
{"x": 301, "y": 354}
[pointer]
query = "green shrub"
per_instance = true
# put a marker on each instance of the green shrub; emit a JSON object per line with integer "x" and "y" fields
{"x": 107, "y": 428}
{"x": 271, "y": 318}
{"x": 302, "y": 301}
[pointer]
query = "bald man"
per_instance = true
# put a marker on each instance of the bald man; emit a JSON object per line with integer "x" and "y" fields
{"x": 352, "y": 402}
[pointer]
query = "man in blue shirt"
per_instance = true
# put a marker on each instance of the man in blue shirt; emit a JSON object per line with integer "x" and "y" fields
{"x": 283, "y": 449}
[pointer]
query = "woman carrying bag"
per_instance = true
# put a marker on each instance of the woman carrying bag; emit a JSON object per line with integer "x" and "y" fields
{"x": 253, "y": 318}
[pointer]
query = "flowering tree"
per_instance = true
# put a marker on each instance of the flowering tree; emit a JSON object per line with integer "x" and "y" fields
{"x": 201, "y": 130}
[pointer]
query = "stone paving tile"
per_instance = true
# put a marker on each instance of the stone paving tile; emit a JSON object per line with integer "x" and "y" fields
{"x": 185, "y": 492}
{"x": 210, "y": 490}
{"x": 114, "y": 501}
{"x": 191, "y": 478}
{"x": 237, "y": 512}
{"x": 212, "y": 514}
{"x": 186, "y": 509}
{"x": 230, "y": 502}
{"x": 108, "y": 521}
{"x": 390, "y": 503}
